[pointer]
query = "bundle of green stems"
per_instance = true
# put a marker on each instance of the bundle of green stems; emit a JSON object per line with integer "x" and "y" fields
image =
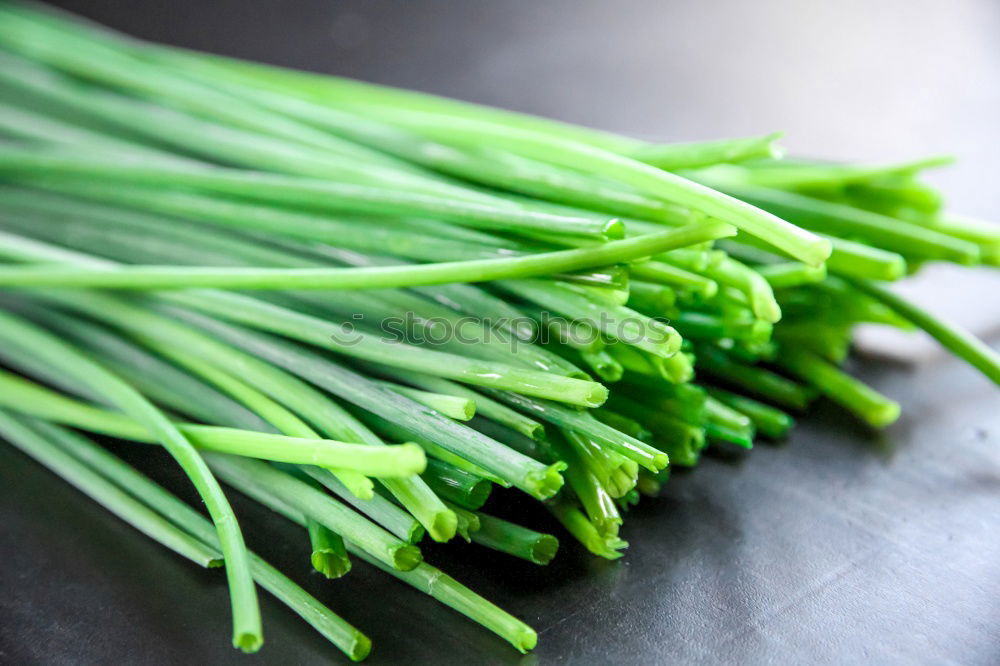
{"x": 379, "y": 312}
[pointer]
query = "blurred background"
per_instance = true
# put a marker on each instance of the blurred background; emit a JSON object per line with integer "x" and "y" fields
{"x": 841, "y": 547}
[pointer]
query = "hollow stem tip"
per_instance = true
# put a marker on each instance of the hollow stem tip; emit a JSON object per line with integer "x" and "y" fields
{"x": 543, "y": 484}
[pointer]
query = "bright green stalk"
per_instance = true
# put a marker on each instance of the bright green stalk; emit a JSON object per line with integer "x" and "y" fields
{"x": 310, "y": 193}
{"x": 681, "y": 439}
{"x": 768, "y": 420}
{"x": 447, "y": 590}
{"x": 495, "y": 168}
{"x": 614, "y": 321}
{"x": 366, "y": 234}
{"x": 254, "y": 478}
{"x": 515, "y": 540}
{"x": 644, "y": 178}
{"x": 68, "y": 47}
{"x": 392, "y": 430}
{"x": 672, "y": 156}
{"x": 792, "y": 175}
{"x": 379, "y": 509}
{"x": 177, "y": 277}
{"x": 629, "y": 426}
{"x": 585, "y": 424}
{"x": 603, "y": 365}
{"x": 731, "y": 272}
{"x": 873, "y": 407}
{"x": 468, "y": 521}
{"x": 685, "y": 401}
{"x": 457, "y": 485}
{"x": 694, "y": 325}
{"x": 216, "y": 142}
{"x": 274, "y": 413}
{"x": 656, "y": 300}
{"x": 126, "y": 235}
{"x": 791, "y": 274}
{"x": 529, "y": 475}
{"x": 452, "y": 406}
{"x": 329, "y": 555}
{"x": 16, "y": 333}
{"x": 597, "y": 503}
{"x": 22, "y": 433}
{"x": 727, "y": 424}
{"x": 150, "y": 374}
{"x": 353, "y": 643}
{"x": 321, "y": 333}
{"x": 332, "y": 90}
{"x": 312, "y": 404}
{"x": 830, "y": 341}
{"x": 720, "y": 413}
{"x": 616, "y": 473}
{"x": 30, "y": 125}
{"x": 959, "y": 342}
{"x": 661, "y": 273}
{"x": 575, "y": 334}
{"x": 982, "y": 233}
{"x": 741, "y": 437}
{"x": 754, "y": 380}
{"x": 30, "y": 398}
{"x": 567, "y": 513}
{"x": 851, "y": 259}
{"x": 485, "y": 406}
{"x": 881, "y": 231}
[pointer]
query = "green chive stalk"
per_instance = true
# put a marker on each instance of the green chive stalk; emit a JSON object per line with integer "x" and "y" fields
{"x": 506, "y": 537}
{"x": 17, "y": 333}
{"x": 329, "y": 554}
{"x": 22, "y": 432}
{"x": 348, "y": 639}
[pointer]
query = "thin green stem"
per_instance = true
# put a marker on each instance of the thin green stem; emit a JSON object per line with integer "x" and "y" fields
{"x": 348, "y": 639}
{"x": 671, "y": 156}
{"x": 515, "y": 540}
{"x": 246, "y": 613}
{"x": 386, "y": 462}
{"x": 873, "y": 407}
{"x": 379, "y": 509}
{"x": 959, "y": 342}
{"x": 529, "y": 475}
{"x": 436, "y": 583}
{"x": 25, "y": 434}
{"x": 456, "y": 485}
{"x": 182, "y": 277}
{"x": 255, "y": 478}
{"x": 585, "y": 424}
{"x": 329, "y": 554}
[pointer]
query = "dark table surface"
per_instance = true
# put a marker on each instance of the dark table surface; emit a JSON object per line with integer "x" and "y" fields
{"x": 838, "y": 546}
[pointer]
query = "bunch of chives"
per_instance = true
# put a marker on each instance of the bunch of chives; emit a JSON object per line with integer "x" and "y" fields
{"x": 379, "y": 312}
